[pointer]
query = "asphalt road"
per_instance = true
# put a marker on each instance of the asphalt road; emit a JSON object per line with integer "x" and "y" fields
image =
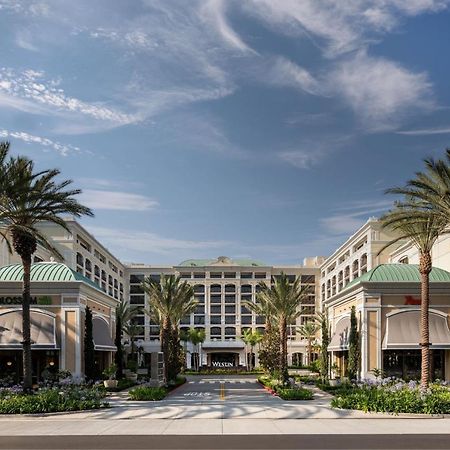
{"x": 411, "y": 442}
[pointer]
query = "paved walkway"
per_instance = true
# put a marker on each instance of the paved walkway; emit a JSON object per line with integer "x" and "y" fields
{"x": 215, "y": 405}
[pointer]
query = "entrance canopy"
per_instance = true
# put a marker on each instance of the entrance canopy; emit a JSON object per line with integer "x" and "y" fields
{"x": 339, "y": 341}
{"x": 42, "y": 330}
{"x": 223, "y": 345}
{"x": 403, "y": 330}
{"x": 102, "y": 335}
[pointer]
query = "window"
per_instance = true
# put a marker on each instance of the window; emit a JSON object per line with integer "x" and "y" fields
{"x": 260, "y": 320}
{"x": 103, "y": 275}
{"x": 261, "y": 330}
{"x": 216, "y": 288}
{"x": 308, "y": 279}
{"x": 216, "y": 299}
{"x": 215, "y": 320}
{"x": 156, "y": 277}
{"x": 136, "y": 289}
{"x": 230, "y": 331}
{"x": 246, "y": 320}
{"x": 245, "y": 310}
{"x": 230, "y": 309}
{"x": 97, "y": 271}
{"x": 186, "y": 320}
{"x": 84, "y": 244}
{"x": 215, "y": 275}
{"x": 246, "y": 289}
{"x": 113, "y": 267}
{"x": 137, "y": 300}
{"x": 260, "y": 275}
{"x": 136, "y": 279}
{"x": 80, "y": 259}
{"x": 230, "y": 288}
{"x": 230, "y": 274}
{"x": 199, "y": 320}
{"x": 199, "y": 289}
{"x": 121, "y": 287}
{"x": 216, "y": 332}
{"x": 230, "y": 299}
{"x": 246, "y": 275}
{"x": 291, "y": 278}
{"x": 185, "y": 275}
{"x": 308, "y": 310}
{"x": 215, "y": 309}
{"x": 200, "y": 298}
{"x": 110, "y": 280}
{"x": 199, "y": 309}
{"x": 404, "y": 260}
{"x": 138, "y": 320}
{"x": 199, "y": 274}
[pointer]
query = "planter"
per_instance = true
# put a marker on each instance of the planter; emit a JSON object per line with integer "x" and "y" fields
{"x": 335, "y": 382}
{"x": 110, "y": 384}
{"x": 132, "y": 376}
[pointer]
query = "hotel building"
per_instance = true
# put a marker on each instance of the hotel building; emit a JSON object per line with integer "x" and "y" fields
{"x": 383, "y": 284}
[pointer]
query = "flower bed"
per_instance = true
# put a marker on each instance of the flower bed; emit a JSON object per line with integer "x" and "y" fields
{"x": 394, "y": 396}
{"x": 146, "y": 393}
{"x": 286, "y": 393}
{"x": 50, "y": 399}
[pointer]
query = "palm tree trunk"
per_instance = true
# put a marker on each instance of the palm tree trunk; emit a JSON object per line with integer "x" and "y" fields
{"x": 309, "y": 351}
{"x": 425, "y": 267}
{"x": 165, "y": 337}
{"x": 283, "y": 349}
{"x": 26, "y": 327}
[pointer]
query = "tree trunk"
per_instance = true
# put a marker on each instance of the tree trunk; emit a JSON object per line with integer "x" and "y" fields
{"x": 165, "y": 337}
{"x": 283, "y": 349}
{"x": 26, "y": 328}
{"x": 425, "y": 267}
{"x": 119, "y": 352}
{"x": 309, "y": 351}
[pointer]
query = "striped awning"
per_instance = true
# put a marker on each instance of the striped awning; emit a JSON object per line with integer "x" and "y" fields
{"x": 102, "y": 335}
{"x": 339, "y": 340}
{"x": 403, "y": 330}
{"x": 42, "y": 326}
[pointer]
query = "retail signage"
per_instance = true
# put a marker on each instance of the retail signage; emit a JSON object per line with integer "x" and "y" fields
{"x": 222, "y": 364}
{"x": 15, "y": 300}
{"x": 410, "y": 300}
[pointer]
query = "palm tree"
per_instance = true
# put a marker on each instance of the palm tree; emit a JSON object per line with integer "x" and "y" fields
{"x": 170, "y": 300}
{"x": 415, "y": 222}
{"x": 132, "y": 330}
{"x": 28, "y": 198}
{"x": 283, "y": 299}
{"x": 197, "y": 337}
{"x": 308, "y": 331}
{"x": 124, "y": 313}
{"x": 251, "y": 338}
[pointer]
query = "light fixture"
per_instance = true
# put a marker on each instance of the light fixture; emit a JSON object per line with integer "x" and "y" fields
{"x": 9, "y": 363}
{"x": 52, "y": 363}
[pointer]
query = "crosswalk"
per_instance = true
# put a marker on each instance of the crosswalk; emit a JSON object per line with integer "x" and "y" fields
{"x": 223, "y": 381}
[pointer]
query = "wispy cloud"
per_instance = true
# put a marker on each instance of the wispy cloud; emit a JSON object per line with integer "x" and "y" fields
{"x": 32, "y": 86}
{"x": 141, "y": 242}
{"x": 425, "y": 131}
{"x": 381, "y": 92}
{"x": 117, "y": 201}
{"x": 63, "y": 149}
{"x": 350, "y": 216}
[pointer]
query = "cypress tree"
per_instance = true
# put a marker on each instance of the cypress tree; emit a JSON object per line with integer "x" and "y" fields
{"x": 89, "y": 349}
{"x": 353, "y": 347}
{"x": 118, "y": 357}
{"x": 324, "y": 362}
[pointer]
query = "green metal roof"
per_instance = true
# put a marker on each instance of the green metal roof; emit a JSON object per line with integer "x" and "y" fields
{"x": 209, "y": 262}
{"x": 399, "y": 273}
{"x": 45, "y": 272}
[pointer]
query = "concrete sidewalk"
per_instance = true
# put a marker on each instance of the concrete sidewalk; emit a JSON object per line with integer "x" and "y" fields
{"x": 54, "y": 426}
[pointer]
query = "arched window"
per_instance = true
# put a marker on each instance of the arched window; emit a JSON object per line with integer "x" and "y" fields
{"x": 340, "y": 280}
{"x": 333, "y": 285}
{"x": 364, "y": 263}
{"x": 355, "y": 269}
{"x": 216, "y": 332}
{"x": 346, "y": 275}
{"x": 230, "y": 331}
{"x": 199, "y": 289}
{"x": 230, "y": 288}
{"x": 216, "y": 288}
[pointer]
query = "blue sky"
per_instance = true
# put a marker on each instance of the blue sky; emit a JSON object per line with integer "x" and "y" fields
{"x": 249, "y": 128}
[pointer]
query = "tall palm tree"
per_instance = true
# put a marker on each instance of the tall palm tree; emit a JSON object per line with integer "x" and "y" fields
{"x": 197, "y": 337}
{"x": 133, "y": 330}
{"x": 124, "y": 313}
{"x": 28, "y": 198}
{"x": 170, "y": 299}
{"x": 415, "y": 222}
{"x": 309, "y": 331}
{"x": 251, "y": 338}
{"x": 284, "y": 300}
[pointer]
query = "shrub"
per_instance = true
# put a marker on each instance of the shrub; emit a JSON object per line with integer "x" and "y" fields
{"x": 294, "y": 394}
{"x": 175, "y": 383}
{"x": 144, "y": 393}
{"x": 55, "y": 399}
{"x": 394, "y": 396}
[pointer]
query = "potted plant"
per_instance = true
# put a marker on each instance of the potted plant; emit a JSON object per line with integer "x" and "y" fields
{"x": 110, "y": 374}
{"x": 335, "y": 370}
{"x": 132, "y": 370}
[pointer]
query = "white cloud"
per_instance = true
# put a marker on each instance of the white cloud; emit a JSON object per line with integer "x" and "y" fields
{"x": 63, "y": 149}
{"x": 300, "y": 158}
{"x": 425, "y": 131}
{"x": 381, "y": 92}
{"x": 116, "y": 200}
{"x": 338, "y": 26}
{"x": 30, "y": 86}
{"x": 284, "y": 72}
{"x": 148, "y": 242}
{"x": 352, "y": 215}
{"x": 214, "y": 12}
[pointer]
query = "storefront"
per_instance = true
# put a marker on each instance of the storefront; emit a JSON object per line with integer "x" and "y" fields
{"x": 59, "y": 300}
{"x": 387, "y": 304}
